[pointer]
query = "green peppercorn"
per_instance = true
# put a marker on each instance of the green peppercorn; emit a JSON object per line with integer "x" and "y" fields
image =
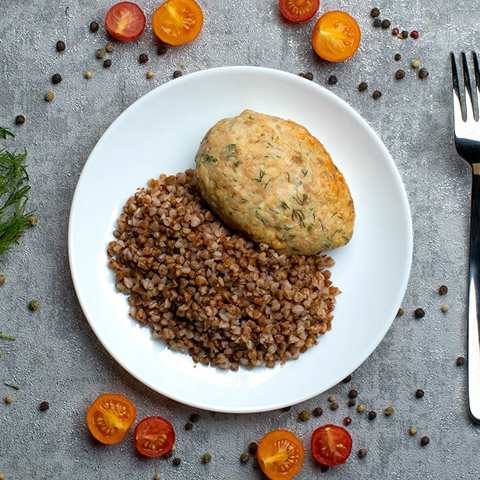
{"x": 416, "y": 64}
{"x": 33, "y": 305}
{"x": 412, "y": 431}
{"x": 100, "y": 54}
{"x": 375, "y": 13}
{"x": 207, "y": 458}
{"x": 372, "y": 415}
{"x": 399, "y": 74}
{"x": 49, "y": 96}
{"x": 19, "y": 120}
{"x": 347, "y": 379}
{"x": 176, "y": 461}
{"x": 460, "y": 361}
{"x": 157, "y": 476}
{"x": 252, "y": 448}
{"x": 60, "y": 46}
{"x": 352, "y": 402}
{"x": 423, "y": 73}
{"x": 2, "y": 476}
{"x": 244, "y": 457}
{"x": 353, "y": 394}
{"x": 419, "y": 393}
{"x": 333, "y": 406}
{"x": 150, "y": 75}
{"x": 424, "y": 441}
{"x": 143, "y": 58}
{"x": 94, "y": 27}
{"x": 362, "y": 453}
{"x": 177, "y": 73}
{"x": 304, "y": 415}
{"x": 389, "y": 411}
{"x": 376, "y": 94}
{"x": 194, "y": 417}
{"x": 2, "y": 279}
{"x": 400, "y": 312}
{"x": 188, "y": 426}
{"x": 445, "y": 308}
{"x": 332, "y": 80}
{"x": 317, "y": 412}
{"x": 443, "y": 289}
{"x": 332, "y": 398}
{"x": 107, "y": 63}
{"x": 44, "y": 406}
{"x": 362, "y": 87}
{"x": 419, "y": 313}
{"x": 56, "y": 79}
{"x": 110, "y": 47}
{"x": 397, "y": 57}
{"x": 361, "y": 408}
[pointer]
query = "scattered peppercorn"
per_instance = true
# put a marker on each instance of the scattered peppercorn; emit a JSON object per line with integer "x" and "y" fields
{"x": 419, "y": 393}
{"x": 33, "y": 221}
{"x": 244, "y": 457}
{"x": 397, "y": 57}
{"x": 19, "y": 119}
{"x": 252, "y": 448}
{"x": 414, "y": 34}
{"x": 347, "y": 379}
{"x": 110, "y": 47}
{"x": 56, "y": 79}
{"x": 442, "y": 290}
{"x": 255, "y": 463}
{"x": 44, "y": 406}
{"x": 286, "y": 409}
{"x": 317, "y": 412}
{"x": 404, "y": 34}
{"x": 416, "y": 64}
{"x": 386, "y": 24}
{"x": 150, "y": 74}
{"x": 400, "y": 312}
{"x": 399, "y": 74}
{"x": 304, "y": 415}
{"x": 395, "y": 31}
{"x": 61, "y": 46}
{"x": 2, "y": 279}
{"x": 206, "y": 458}
{"x": 389, "y": 411}
{"x": 424, "y": 441}
{"x": 347, "y": 421}
{"x": 107, "y": 63}
{"x": 302, "y": 75}
{"x": 460, "y": 361}
{"x": 412, "y": 431}
{"x": 188, "y": 426}
{"x": 362, "y": 87}
{"x": 194, "y": 417}
{"x": 162, "y": 50}
{"x": 100, "y": 53}
{"x": 375, "y": 13}
{"x": 168, "y": 455}
{"x": 445, "y": 308}
{"x": 372, "y": 415}
{"x": 351, "y": 402}
{"x": 88, "y": 74}
{"x": 333, "y": 406}
{"x": 176, "y": 461}
{"x": 309, "y": 76}
{"x": 33, "y": 305}
{"x": 2, "y": 476}
{"x": 157, "y": 476}
{"x": 361, "y": 408}
{"x": 362, "y": 453}
{"x": 352, "y": 394}
{"x": 143, "y": 58}
{"x": 419, "y": 313}
{"x": 332, "y": 398}
{"x": 324, "y": 468}
{"x": 377, "y": 23}
{"x": 376, "y": 94}
{"x": 8, "y": 399}
{"x": 332, "y": 80}
{"x": 177, "y": 73}
{"x": 94, "y": 27}
{"x": 49, "y": 96}
{"x": 423, "y": 73}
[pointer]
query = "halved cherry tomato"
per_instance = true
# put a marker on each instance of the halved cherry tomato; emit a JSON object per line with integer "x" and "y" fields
{"x": 154, "y": 437}
{"x": 177, "y": 21}
{"x": 331, "y": 445}
{"x": 336, "y": 36}
{"x": 299, "y": 10}
{"x": 280, "y": 455}
{"x": 110, "y": 417}
{"x": 125, "y": 21}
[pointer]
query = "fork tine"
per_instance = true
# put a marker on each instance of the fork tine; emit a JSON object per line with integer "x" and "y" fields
{"x": 457, "y": 99}
{"x": 468, "y": 88}
{"x": 476, "y": 70}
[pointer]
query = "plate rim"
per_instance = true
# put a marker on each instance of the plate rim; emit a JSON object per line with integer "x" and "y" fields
{"x": 187, "y": 78}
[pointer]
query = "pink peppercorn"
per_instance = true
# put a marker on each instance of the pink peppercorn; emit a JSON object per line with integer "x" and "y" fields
{"x": 395, "y": 31}
{"x": 414, "y": 34}
{"x": 347, "y": 421}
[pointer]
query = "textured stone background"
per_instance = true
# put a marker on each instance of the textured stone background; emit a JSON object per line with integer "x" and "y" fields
{"x": 56, "y": 356}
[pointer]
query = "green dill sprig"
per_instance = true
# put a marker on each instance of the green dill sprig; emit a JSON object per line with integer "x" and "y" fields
{"x": 12, "y": 385}
{"x": 4, "y": 133}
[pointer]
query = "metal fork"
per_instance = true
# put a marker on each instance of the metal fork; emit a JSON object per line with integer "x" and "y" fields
{"x": 467, "y": 143}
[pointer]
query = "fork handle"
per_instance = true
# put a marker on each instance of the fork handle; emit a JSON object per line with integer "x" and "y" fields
{"x": 474, "y": 302}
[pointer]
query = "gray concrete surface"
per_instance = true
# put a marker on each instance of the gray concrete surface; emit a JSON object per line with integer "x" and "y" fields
{"x": 56, "y": 356}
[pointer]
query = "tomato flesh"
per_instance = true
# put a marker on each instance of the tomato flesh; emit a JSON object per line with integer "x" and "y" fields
{"x": 331, "y": 445}
{"x": 154, "y": 437}
{"x": 336, "y": 36}
{"x": 177, "y": 21}
{"x": 280, "y": 455}
{"x": 110, "y": 417}
{"x": 125, "y": 21}
{"x": 299, "y": 10}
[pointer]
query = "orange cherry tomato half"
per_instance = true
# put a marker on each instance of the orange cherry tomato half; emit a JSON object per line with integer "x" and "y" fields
{"x": 110, "y": 417}
{"x": 154, "y": 437}
{"x": 336, "y": 36}
{"x": 177, "y": 21}
{"x": 125, "y": 21}
{"x": 299, "y": 10}
{"x": 280, "y": 455}
{"x": 331, "y": 445}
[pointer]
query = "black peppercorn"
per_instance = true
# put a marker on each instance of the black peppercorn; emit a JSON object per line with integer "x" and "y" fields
{"x": 397, "y": 57}
{"x": 107, "y": 63}
{"x": 324, "y": 468}
{"x": 377, "y": 23}
{"x": 188, "y": 426}
{"x": 206, "y": 458}
{"x": 419, "y": 393}
{"x": 443, "y": 290}
{"x": 419, "y": 313}
{"x": 334, "y": 406}
{"x": 44, "y": 406}
{"x": 162, "y": 49}
{"x": 460, "y": 361}
{"x": 424, "y": 441}
{"x": 252, "y": 448}
{"x": 94, "y": 27}
{"x": 362, "y": 453}
{"x": 347, "y": 379}
{"x": 143, "y": 58}
{"x": 352, "y": 394}
{"x": 332, "y": 80}
{"x": 386, "y": 24}
{"x": 177, "y": 73}
{"x": 399, "y": 74}
{"x": 404, "y": 34}
{"x": 351, "y": 402}
{"x": 61, "y": 46}
{"x": 176, "y": 461}
{"x": 33, "y": 305}
{"x": 309, "y": 76}
{"x": 194, "y": 417}
{"x": 56, "y": 79}
{"x": 376, "y": 94}
{"x": 317, "y": 412}
{"x": 362, "y": 87}
{"x": 19, "y": 119}
{"x": 372, "y": 415}
{"x": 375, "y": 13}
{"x": 423, "y": 73}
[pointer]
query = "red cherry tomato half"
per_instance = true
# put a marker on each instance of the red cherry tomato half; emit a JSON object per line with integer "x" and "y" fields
{"x": 331, "y": 445}
{"x": 125, "y": 21}
{"x": 299, "y": 10}
{"x": 154, "y": 437}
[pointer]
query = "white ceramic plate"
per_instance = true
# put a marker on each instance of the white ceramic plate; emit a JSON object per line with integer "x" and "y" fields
{"x": 160, "y": 133}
